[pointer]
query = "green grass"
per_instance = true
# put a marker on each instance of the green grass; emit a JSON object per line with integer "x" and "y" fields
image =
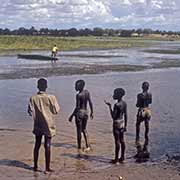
{"x": 19, "y": 43}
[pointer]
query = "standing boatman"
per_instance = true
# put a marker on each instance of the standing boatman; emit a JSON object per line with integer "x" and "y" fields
{"x": 54, "y": 51}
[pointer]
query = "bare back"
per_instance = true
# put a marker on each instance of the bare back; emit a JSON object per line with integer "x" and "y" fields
{"x": 81, "y": 99}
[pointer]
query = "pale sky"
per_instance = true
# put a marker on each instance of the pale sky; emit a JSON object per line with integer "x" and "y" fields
{"x": 62, "y": 14}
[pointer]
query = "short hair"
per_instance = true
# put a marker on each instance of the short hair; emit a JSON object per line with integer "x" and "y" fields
{"x": 145, "y": 85}
{"x": 42, "y": 84}
{"x": 119, "y": 91}
{"x": 82, "y": 82}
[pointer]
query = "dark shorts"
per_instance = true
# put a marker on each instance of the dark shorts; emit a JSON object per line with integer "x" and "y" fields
{"x": 54, "y": 53}
{"x": 38, "y": 132}
{"x": 118, "y": 133}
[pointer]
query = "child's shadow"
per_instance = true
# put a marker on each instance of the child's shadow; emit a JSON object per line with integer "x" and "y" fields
{"x": 64, "y": 145}
{"x": 90, "y": 158}
{"x": 15, "y": 163}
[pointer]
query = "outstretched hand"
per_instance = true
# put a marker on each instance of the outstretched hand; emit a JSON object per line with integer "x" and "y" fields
{"x": 70, "y": 118}
{"x": 107, "y": 103}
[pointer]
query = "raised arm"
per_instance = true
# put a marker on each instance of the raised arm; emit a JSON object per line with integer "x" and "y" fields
{"x": 112, "y": 112}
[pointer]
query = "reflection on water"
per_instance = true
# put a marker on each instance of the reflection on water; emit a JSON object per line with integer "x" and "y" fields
{"x": 132, "y": 56}
{"x": 164, "y": 126}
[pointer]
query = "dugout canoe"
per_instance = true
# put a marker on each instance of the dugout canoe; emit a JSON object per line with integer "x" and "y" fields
{"x": 36, "y": 57}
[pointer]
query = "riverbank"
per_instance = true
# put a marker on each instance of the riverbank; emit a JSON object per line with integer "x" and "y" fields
{"x": 11, "y": 44}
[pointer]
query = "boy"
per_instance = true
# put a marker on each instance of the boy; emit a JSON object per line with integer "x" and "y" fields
{"x": 42, "y": 107}
{"x": 144, "y": 99}
{"x": 81, "y": 113}
{"x": 119, "y": 116}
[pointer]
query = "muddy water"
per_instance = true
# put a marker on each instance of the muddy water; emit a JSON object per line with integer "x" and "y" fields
{"x": 164, "y": 133}
{"x": 129, "y": 56}
{"x": 16, "y": 139}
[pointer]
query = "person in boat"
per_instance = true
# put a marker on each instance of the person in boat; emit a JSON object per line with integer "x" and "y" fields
{"x": 81, "y": 113}
{"x": 54, "y": 51}
{"x": 119, "y": 116}
{"x": 144, "y": 99}
{"x": 42, "y": 107}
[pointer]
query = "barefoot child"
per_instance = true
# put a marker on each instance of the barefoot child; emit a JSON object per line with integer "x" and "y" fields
{"x": 119, "y": 116}
{"x": 144, "y": 99}
{"x": 42, "y": 107}
{"x": 81, "y": 113}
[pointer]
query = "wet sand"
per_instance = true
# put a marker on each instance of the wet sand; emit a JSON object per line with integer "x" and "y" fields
{"x": 83, "y": 69}
{"x": 16, "y": 161}
{"x": 16, "y": 139}
{"x": 65, "y": 69}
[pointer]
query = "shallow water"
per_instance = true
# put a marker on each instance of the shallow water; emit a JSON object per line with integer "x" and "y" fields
{"x": 164, "y": 132}
{"x": 129, "y": 56}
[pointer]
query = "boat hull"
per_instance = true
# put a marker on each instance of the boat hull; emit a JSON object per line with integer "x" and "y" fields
{"x": 36, "y": 57}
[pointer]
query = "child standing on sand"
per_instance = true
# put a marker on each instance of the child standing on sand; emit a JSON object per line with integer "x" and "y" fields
{"x": 144, "y": 99}
{"x": 42, "y": 107}
{"x": 80, "y": 113}
{"x": 119, "y": 116}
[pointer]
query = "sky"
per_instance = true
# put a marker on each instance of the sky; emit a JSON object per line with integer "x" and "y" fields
{"x": 116, "y": 14}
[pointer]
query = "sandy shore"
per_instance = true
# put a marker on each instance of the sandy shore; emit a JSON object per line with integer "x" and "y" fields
{"x": 16, "y": 162}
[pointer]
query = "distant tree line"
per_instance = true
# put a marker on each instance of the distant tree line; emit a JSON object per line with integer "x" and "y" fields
{"x": 83, "y": 32}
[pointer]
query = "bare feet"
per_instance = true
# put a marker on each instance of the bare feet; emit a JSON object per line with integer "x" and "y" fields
{"x": 79, "y": 151}
{"x": 48, "y": 171}
{"x": 87, "y": 149}
{"x": 121, "y": 160}
{"x": 35, "y": 168}
{"x": 115, "y": 161}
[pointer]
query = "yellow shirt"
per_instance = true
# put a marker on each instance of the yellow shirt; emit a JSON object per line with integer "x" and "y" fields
{"x": 43, "y": 107}
{"x": 54, "y": 49}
